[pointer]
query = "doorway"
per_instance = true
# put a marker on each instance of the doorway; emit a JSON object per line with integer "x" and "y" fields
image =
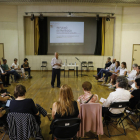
{"x": 136, "y": 54}
{"x": 1, "y": 51}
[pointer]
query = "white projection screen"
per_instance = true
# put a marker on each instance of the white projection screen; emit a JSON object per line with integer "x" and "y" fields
{"x": 66, "y": 32}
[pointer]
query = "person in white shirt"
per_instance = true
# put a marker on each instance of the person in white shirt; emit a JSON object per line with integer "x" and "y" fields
{"x": 102, "y": 71}
{"x": 131, "y": 75}
{"x": 16, "y": 67}
{"x": 56, "y": 64}
{"x": 136, "y": 77}
{"x": 120, "y": 95}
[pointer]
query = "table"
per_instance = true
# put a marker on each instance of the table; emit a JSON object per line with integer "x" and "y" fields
{"x": 76, "y": 66}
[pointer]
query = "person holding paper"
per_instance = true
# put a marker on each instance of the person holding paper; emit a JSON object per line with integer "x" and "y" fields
{"x": 120, "y": 95}
{"x": 56, "y": 65}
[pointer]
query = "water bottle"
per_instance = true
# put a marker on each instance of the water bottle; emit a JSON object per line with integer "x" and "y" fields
{"x": 75, "y": 63}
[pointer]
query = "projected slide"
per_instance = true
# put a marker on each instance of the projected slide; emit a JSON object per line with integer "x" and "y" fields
{"x": 66, "y": 32}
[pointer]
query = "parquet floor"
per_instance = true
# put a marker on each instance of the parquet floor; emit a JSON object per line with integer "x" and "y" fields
{"x": 39, "y": 89}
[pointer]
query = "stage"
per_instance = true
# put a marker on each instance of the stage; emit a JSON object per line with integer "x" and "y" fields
{"x": 39, "y": 89}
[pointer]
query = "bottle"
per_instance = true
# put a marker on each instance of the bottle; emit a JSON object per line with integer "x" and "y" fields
{"x": 75, "y": 63}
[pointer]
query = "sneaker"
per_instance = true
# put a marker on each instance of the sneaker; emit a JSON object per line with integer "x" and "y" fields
{"x": 101, "y": 80}
{"x": 104, "y": 83}
{"x": 111, "y": 87}
{"x": 108, "y": 85}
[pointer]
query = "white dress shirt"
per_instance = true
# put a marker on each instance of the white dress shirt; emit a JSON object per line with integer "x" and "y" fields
{"x": 1, "y": 70}
{"x": 111, "y": 67}
{"x": 54, "y": 61}
{"x": 122, "y": 70}
{"x": 132, "y": 75}
{"x": 15, "y": 65}
{"x": 117, "y": 96}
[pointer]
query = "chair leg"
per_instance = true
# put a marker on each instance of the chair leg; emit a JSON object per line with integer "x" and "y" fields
{"x": 3, "y": 136}
{"x": 68, "y": 73}
{"x": 123, "y": 128}
{"x": 108, "y": 131}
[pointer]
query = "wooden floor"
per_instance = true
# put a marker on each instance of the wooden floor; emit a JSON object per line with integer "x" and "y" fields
{"x": 39, "y": 89}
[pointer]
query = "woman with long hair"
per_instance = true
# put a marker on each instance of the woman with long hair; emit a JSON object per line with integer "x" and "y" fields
{"x": 66, "y": 106}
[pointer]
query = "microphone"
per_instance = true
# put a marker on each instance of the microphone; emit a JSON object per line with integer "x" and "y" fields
{"x": 76, "y": 58}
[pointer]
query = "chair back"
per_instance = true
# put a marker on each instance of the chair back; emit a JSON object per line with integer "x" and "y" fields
{"x": 90, "y": 62}
{"x": 65, "y": 128}
{"x": 119, "y": 104}
{"x": 44, "y": 63}
{"x": 21, "y": 125}
{"x": 84, "y": 63}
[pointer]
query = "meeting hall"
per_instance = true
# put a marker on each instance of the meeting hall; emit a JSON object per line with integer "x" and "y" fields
{"x": 69, "y": 69}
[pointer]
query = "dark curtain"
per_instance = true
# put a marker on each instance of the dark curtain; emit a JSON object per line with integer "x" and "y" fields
{"x": 98, "y": 48}
{"x": 43, "y": 41}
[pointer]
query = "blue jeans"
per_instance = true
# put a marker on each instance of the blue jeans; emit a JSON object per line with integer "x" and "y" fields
{"x": 13, "y": 72}
{"x": 102, "y": 71}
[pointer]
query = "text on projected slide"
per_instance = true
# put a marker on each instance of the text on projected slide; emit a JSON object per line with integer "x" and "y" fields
{"x": 66, "y": 32}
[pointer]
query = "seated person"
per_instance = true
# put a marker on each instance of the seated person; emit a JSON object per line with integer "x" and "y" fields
{"x": 66, "y": 107}
{"x": 107, "y": 64}
{"x": 87, "y": 97}
{"x": 120, "y": 95}
{"x": 3, "y": 116}
{"x": 102, "y": 71}
{"x": 2, "y": 87}
{"x": 23, "y": 105}
{"x": 9, "y": 71}
{"x": 16, "y": 67}
{"x": 123, "y": 72}
{"x": 26, "y": 67}
{"x": 132, "y": 82}
{"x": 135, "y": 95}
{"x": 132, "y": 74}
{"x": 4, "y": 76}
{"x": 3, "y": 99}
{"x": 109, "y": 73}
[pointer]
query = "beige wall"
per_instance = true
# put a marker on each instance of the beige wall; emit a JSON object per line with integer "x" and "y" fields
{"x": 130, "y": 33}
{"x": 35, "y": 61}
{"x": 127, "y": 31}
{"x": 9, "y": 32}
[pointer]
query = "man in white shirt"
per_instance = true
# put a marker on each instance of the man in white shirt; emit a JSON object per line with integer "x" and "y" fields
{"x": 119, "y": 95}
{"x": 56, "y": 65}
{"x": 131, "y": 75}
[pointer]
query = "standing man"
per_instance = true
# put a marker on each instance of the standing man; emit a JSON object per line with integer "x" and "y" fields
{"x": 56, "y": 65}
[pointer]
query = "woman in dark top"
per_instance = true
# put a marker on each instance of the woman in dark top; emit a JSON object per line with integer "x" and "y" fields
{"x": 26, "y": 67}
{"x": 66, "y": 107}
{"x": 135, "y": 95}
{"x": 23, "y": 105}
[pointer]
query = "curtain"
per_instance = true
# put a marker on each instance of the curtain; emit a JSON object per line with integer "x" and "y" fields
{"x": 103, "y": 36}
{"x": 98, "y": 48}
{"x": 43, "y": 41}
{"x": 109, "y": 37}
{"x": 37, "y": 35}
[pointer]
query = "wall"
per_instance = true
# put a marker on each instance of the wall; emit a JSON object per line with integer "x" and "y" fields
{"x": 130, "y": 33}
{"x": 35, "y": 61}
{"x": 9, "y": 32}
{"x": 12, "y": 32}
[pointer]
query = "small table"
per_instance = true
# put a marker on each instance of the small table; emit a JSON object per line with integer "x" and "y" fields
{"x": 76, "y": 66}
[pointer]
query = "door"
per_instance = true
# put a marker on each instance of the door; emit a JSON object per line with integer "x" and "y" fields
{"x": 136, "y": 54}
{"x": 1, "y": 51}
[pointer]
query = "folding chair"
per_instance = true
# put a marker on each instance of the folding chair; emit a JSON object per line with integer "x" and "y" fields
{"x": 63, "y": 129}
{"x": 44, "y": 64}
{"x": 114, "y": 117}
{"x": 90, "y": 65}
{"x": 134, "y": 112}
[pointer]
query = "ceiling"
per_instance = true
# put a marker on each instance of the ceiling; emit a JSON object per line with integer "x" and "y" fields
{"x": 118, "y": 2}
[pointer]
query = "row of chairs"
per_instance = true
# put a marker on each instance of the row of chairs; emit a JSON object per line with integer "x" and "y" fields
{"x": 88, "y": 65}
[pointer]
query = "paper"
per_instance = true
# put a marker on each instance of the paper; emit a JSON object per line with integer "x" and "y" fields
{"x": 102, "y": 100}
